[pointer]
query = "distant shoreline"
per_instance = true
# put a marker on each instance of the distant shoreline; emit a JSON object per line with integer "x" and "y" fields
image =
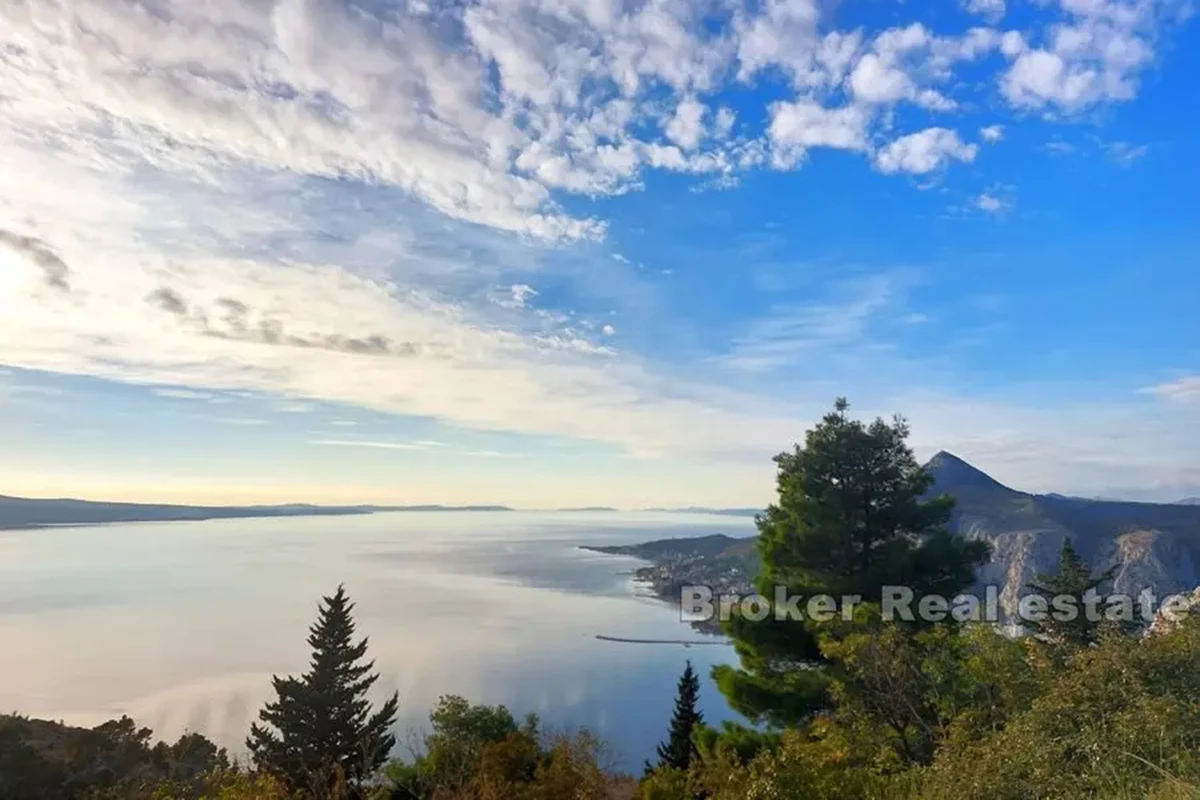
{"x": 21, "y": 513}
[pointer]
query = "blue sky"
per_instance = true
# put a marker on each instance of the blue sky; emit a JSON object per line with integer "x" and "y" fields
{"x": 567, "y": 252}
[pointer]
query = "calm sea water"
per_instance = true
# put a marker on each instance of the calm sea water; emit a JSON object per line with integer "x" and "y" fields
{"x": 181, "y": 625}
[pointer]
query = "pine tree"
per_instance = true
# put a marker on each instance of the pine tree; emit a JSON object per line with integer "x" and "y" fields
{"x": 1073, "y": 580}
{"x": 852, "y": 516}
{"x": 679, "y": 749}
{"x": 321, "y": 730}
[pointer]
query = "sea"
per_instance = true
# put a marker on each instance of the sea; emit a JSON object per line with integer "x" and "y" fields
{"x": 182, "y": 624}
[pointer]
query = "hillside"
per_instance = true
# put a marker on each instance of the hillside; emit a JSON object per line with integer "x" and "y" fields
{"x": 1154, "y": 546}
{"x": 24, "y": 512}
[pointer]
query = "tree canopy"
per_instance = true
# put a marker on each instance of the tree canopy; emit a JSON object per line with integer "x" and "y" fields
{"x": 320, "y": 729}
{"x": 680, "y": 748}
{"x": 852, "y": 516}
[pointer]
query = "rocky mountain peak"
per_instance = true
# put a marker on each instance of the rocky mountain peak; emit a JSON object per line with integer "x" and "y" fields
{"x": 951, "y": 472}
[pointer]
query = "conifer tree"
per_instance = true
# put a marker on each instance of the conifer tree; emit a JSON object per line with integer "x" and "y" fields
{"x": 852, "y": 516}
{"x": 320, "y": 731}
{"x": 1068, "y": 585}
{"x": 679, "y": 748}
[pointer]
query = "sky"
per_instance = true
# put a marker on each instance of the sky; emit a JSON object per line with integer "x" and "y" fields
{"x": 590, "y": 252}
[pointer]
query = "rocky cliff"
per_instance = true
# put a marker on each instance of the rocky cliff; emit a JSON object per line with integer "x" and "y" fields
{"x": 1154, "y": 547}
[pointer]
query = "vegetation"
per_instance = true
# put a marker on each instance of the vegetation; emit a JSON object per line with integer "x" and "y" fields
{"x": 864, "y": 707}
{"x": 848, "y": 707}
{"x": 851, "y": 518}
{"x": 679, "y": 749}
{"x": 1071, "y": 583}
{"x": 321, "y": 731}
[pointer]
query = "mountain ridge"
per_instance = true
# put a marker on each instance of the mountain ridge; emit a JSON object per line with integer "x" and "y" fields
{"x": 1152, "y": 546}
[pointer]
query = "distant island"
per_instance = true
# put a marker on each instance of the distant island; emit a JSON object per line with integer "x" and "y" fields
{"x": 29, "y": 512}
{"x": 25, "y": 512}
{"x": 588, "y": 508}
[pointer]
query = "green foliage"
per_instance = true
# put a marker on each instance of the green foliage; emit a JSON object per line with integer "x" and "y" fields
{"x": 452, "y": 751}
{"x": 224, "y": 784}
{"x": 321, "y": 732}
{"x": 1072, "y": 581}
{"x": 903, "y": 691}
{"x": 667, "y": 783}
{"x": 1121, "y": 719}
{"x": 40, "y": 759}
{"x": 851, "y": 517}
{"x": 478, "y": 752}
{"x": 734, "y": 742}
{"x": 679, "y": 748}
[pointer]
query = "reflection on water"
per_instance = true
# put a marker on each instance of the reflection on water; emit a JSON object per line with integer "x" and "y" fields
{"x": 181, "y": 625}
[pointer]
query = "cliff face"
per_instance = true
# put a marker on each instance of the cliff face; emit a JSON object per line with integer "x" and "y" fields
{"x": 1154, "y": 547}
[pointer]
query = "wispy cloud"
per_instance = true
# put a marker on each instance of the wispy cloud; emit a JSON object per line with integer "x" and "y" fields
{"x": 1182, "y": 390}
{"x": 791, "y": 332}
{"x": 1125, "y": 153}
{"x": 184, "y": 394}
{"x": 295, "y": 408}
{"x": 367, "y": 443}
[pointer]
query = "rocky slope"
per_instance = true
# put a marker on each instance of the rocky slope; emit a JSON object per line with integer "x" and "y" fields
{"x": 1155, "y": 547}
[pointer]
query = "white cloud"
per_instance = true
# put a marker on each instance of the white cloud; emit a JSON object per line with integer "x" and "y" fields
{"x": 1058, "y": 147}
{"x": 796, "y": 127}
{"x": 183, "y": 394}
{"x": 490, "y": 454}
{"x": 783, "y": 35}
{"x": 992, "y": 10}
{"x": 875, "y": 81}
{"x": 686, "y": 129}
{"x": 992, "y": 133}
{"x": 517, "y": 296}
{"x": 367, "y": 443}
{"x": 487, "y": 111}
{"x": 1125, "y": 153}
{"x": 723, "y": 126}
{"x": 1183, "y": 390}
{"x": 1096, "y": 56}
{"x": 990, "y": 203}
{"x": 934, "y": 100}
{"x": 923, "y": 152}
{"x": 1012, "y": 44}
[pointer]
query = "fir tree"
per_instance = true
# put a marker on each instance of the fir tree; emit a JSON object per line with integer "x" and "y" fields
{"x": 852, "y": 517}
{"x": 1068, "y": 586}
{"x": 679, "y": 748}
{"x": 320, "y": 731}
